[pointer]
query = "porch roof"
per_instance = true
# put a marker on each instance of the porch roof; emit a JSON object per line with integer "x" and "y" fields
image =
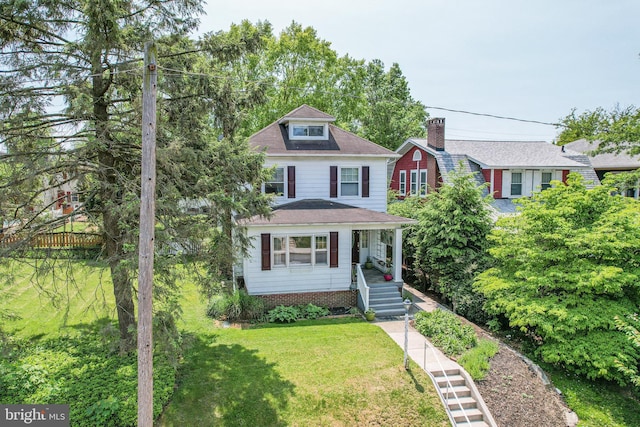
{"x": 319, "y": 211}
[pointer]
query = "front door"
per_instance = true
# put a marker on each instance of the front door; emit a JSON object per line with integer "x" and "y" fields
{"x": 355, "y": 247}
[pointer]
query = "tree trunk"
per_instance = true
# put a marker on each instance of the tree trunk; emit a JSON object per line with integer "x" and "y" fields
{"x": 111, "y": 197}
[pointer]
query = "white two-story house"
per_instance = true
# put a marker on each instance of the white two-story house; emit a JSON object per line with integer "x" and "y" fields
{"x": 329, "y": 215}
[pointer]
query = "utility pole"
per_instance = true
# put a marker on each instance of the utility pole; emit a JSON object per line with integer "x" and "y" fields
{"x": 146, "y": 243}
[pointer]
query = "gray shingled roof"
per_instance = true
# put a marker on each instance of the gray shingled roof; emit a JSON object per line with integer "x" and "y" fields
{"x": 274, "y": 139}
{"x": 306, "y": 112}
{"x": 604, "y": 161}
{"x": 324, "y": 212}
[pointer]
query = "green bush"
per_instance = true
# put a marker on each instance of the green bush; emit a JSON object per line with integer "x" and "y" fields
{"x": 236, "y": 306}
{"x": 99, "y": 386}
{"x": 476, "y": 360}
{"x": 311, "y": 311}
{"x": 284, "y": 314}
{"x": 445, "y": 331}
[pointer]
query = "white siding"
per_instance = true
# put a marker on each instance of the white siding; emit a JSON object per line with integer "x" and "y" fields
{"x": 294, "y": 279}
{"x": 313, "y": 179}
{"x": 531, "y": 181}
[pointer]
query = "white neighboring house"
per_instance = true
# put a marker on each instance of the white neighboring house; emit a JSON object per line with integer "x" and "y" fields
{"x": 61, "y": 195}
{"x": 329, "y": 215}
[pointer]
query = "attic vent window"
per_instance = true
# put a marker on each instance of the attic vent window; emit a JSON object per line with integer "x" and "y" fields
{"x": 308, "y": 131}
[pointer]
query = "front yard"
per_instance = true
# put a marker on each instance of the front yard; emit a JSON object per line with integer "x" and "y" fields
{"x": 327, "y": 372}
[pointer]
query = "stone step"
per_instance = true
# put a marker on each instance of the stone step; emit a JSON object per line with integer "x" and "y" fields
{"x": 385, "y": 291}
{"x": 459, "y": 390}
{"x": 384, "y": 298}
{"x": 466, "y": 402}
{"x": 389, "y": 312}
{"x": 449, "y": 372}
{"x": 386, "y": 305}
{"x": 462, "y": 415}
{"x": 472, "y": 424}
{"x": 451, "y": 380}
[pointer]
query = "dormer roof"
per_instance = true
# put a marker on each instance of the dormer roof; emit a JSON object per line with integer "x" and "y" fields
{"x": 307, "y": 113}
{"x": 275, "y": 139}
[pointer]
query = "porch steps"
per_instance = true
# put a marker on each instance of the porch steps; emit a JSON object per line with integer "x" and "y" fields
{"x": 386, "y": 299}
{"x": 459, "y": 398}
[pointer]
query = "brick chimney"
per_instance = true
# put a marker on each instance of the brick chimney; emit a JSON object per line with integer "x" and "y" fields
{"x": 435, "y": 133}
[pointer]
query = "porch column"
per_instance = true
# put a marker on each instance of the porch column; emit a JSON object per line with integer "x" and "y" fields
{"x": 397, "y": 255}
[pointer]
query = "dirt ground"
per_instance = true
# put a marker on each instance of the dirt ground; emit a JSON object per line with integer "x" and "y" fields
{"x": 518, "y": 397}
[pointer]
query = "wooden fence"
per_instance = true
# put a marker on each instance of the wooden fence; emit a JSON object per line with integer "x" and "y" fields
{"x": 64, "y": 240}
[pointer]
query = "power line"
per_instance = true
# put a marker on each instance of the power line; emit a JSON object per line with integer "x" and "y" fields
{"x": 494, "y": 116}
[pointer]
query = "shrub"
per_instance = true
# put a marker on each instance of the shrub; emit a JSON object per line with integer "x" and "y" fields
{"x": 236, "y": 306}
{"x": 311, "y": 311}
{"x": 476, "y": 360}
{"x": 100, "y": 387}
{"x": 284, "y": 314}
{"x": 445, "y": 331}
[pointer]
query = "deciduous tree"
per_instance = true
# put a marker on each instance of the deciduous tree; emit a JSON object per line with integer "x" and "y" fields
{"x": 564, "y": 268}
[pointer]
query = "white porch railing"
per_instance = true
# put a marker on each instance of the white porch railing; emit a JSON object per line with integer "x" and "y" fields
{"x": 363, "y": 289}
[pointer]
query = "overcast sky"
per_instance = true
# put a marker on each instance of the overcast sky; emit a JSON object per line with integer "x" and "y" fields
{"x": 531, "y": 60}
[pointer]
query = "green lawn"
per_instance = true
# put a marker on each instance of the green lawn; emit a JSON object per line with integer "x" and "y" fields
{"x": 69, "y": 294}
{"x": 327, "y": 372}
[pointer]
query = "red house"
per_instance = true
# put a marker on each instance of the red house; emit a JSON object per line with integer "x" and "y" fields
{"x": 511, "y": 169}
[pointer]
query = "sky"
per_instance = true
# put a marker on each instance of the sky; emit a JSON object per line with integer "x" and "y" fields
{"x": 530, "y": 60}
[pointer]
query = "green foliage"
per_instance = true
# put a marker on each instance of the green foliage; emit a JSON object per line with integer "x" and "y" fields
{"x": 284, "y": 314}
{"x": 236, "y": 306}
{"x": 476, "y": 360}
{"x": 445, "y": 331}
{"x": 312, "y": 311}
{"x": 100, "y": 386}
{"x": 563, "y": 270}
{"x": 364, "y": 98}
{"x": 79, "y": 48}
{"x": 450, "y": 241}
{"x": 293, "y": 313}
{"x": 617, "y": 130}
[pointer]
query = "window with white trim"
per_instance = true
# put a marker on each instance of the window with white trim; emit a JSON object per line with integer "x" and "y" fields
{"x": 308, "y": 131}
{"x": 402, "y": 185}
{"x": 349, "y": 181}
{"x": 414, "y": 182}
{"x": 275, "y": 185}
{"x": 300, "y": 250}
{"x": 516, "y": 183}
{"x": 423, "y": 182}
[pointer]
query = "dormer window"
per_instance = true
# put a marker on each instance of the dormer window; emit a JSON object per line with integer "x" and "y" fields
{"x": 307, "y": 131}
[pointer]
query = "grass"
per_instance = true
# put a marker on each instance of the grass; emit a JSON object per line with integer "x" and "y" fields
{"x": 326, "y": 372}
{"x": 476, "y": 360}
{"x": 597, "y": 404}
{"x": 69, "y": 293}
{"x": 306, "y": 373}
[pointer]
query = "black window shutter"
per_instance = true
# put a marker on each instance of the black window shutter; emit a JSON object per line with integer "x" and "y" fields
{"x": 266, "y": 251}
{"x": 365, "y": 181}
{"x": 333, "y": 249}
{"x": 333, "y": 188}
{"x": 291, "y": 182}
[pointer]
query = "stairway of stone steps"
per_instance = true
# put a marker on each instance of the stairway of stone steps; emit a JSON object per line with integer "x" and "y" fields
{"x": 459, "y": 398}
{"x": 386, "y": 299}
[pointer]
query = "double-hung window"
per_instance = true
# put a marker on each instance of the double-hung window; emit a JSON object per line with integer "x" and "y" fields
{"x": 545, "y": 180}
{"x": 275, "y": 185}
{"x": 300, "y": 250}
{"x": 402, "y": 187}
{"x": 349, "y": 181}
{"x": 516, "y": 183}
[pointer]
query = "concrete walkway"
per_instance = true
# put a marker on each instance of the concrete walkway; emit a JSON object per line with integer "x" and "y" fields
{"x": 429, "y": 358}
